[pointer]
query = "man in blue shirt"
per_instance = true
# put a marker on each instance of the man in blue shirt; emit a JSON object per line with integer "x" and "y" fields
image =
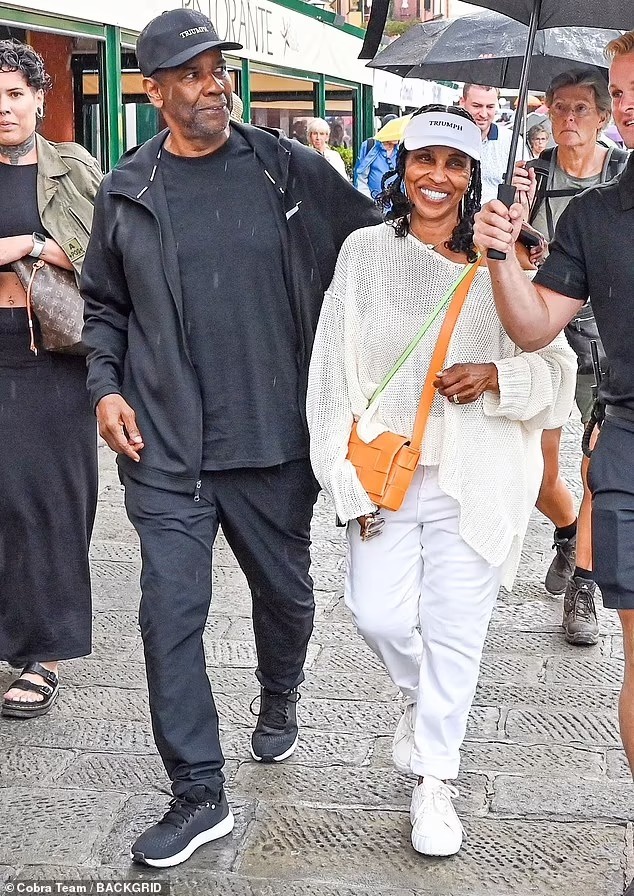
{"x": 371, "y": 167}
{"x": 375, "y": 158}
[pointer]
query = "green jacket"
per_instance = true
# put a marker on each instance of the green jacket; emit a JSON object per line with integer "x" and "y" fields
{"x": 67, "y": 181}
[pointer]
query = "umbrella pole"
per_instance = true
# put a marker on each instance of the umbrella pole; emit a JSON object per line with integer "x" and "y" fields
{"x": 523, "y": 91}
{"x": 506, "y": 192}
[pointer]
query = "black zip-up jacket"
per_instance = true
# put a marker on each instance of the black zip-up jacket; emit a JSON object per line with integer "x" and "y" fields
{"x": 134, "y": 305}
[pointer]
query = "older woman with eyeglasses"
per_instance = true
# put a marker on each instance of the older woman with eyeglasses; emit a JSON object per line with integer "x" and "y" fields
{"x": 318, "y": 133}
{"x": 537, "y": 138}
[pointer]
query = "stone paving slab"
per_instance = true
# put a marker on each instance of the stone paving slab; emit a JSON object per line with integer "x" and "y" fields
{"x": 617, "y": 766}
{"x": 500, "y": 640}
{"x": 543, "y": 696}
{"x": 116, "y": 593}
{"x": 69, "y": 824}
{"x": 511, "y": 668}
{"x": 573, "y": 726}
{"x": 98, "y": 672}
{"x": 82, "y": 734}
{"x": 32, "y": 766}
{"x": 595, "y": 801}
{"x": 346, "y": 659}
{"x": 113, "y": 771}
{"x": 584, "y": 671}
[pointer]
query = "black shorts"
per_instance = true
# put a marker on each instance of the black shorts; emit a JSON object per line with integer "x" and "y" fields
{"x": 611, "y": 481}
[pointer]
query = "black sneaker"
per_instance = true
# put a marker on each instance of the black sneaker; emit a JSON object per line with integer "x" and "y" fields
{"x": 563, "y": 565}
{"x": 190, "y": 821}
{"x": 630, "y": 889}
{"x": 275, "y": 735}
{"x": 580, "y": 622}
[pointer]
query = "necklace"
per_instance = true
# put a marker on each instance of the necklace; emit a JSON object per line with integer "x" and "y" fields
{"x": 15, "y": 153}
{"x": 433, "y": 247}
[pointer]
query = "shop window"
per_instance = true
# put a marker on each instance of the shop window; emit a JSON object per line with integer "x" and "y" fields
{"x": 341, "y": 116}
{"x": 284, "y": 103}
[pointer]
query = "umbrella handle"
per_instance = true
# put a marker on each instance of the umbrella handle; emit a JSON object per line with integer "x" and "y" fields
{"x": 506, "y": 194}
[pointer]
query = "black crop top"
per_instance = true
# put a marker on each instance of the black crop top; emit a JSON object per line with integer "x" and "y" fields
{"x": 19, "y": 213}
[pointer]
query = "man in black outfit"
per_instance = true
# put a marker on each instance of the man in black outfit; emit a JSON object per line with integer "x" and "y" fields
{"x": 590, "y": 257}
{"x": 211, "y": 248}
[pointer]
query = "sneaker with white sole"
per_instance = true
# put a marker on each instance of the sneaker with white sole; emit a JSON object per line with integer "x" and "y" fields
{"x": 436, "y": 830}
{"x": 191, "y": 821}
{"x": 275, "y": 736}
{"x": 403, "y": 743}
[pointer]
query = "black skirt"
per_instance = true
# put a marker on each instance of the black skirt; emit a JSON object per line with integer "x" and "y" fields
{"x": 48, "y": 498}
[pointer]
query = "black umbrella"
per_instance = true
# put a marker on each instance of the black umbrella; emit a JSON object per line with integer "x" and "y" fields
{"x": 543, "y": 13}
{"x": 488, "y": 48}
{"x": 558, "y": 13}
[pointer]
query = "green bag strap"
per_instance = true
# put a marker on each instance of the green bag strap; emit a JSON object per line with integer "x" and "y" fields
{"x": 440, "y": 307}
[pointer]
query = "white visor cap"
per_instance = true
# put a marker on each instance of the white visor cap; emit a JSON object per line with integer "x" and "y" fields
{"x": 444, "y": 129}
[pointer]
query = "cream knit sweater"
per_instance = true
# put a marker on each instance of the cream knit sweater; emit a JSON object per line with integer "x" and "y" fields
{"x": 488, "y": 452}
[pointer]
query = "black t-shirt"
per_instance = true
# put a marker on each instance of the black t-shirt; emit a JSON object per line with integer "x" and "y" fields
{"x": 237, "y": 312}
{"x": 591, "y": 257}
{"x": 20, "y": 214}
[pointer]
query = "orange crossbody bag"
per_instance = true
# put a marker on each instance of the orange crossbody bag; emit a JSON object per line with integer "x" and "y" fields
{"x": 386, "y": 465}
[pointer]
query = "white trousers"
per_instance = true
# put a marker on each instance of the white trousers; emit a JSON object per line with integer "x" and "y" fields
{"x": 422, "y": 599}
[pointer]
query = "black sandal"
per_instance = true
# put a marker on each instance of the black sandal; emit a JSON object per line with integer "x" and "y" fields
{"x": 18, "y": 709}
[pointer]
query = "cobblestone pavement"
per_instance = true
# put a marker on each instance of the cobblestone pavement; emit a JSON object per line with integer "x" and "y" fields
{"x": 544, "y": 789}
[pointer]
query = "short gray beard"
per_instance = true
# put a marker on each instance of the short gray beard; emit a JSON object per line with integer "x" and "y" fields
{"x": 15, "y": 153}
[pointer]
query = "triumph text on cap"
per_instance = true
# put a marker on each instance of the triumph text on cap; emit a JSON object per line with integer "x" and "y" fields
{"x": 175, "y": 37}
{"x": 444, "y": 129}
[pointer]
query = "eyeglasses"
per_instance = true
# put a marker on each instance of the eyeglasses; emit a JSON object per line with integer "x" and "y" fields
{"x": 579, "y": 110}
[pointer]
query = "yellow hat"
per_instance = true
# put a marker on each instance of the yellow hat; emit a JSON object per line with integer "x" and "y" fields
{"x": 392, "y": 132}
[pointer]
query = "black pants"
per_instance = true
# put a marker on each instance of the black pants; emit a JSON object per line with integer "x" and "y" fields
{"x": 265, "y": 516}
{"x": 611, "y": 481}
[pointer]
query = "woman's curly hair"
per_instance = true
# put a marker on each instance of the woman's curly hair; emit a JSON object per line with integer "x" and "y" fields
{"x": 393, "y": 199}
{"x": 18, "y": 57}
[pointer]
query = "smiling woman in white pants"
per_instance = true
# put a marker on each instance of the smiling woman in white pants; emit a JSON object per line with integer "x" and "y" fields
{"x": 422, "y": 591}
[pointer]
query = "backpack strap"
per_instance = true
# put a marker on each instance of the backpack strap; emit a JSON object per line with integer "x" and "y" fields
{"x": 541, "y": 167}
{"x": 617, "y": 162}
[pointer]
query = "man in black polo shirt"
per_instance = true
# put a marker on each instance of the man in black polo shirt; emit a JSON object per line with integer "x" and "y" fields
{"x": 211, "y": 249}
{"x": 591, "y": 256}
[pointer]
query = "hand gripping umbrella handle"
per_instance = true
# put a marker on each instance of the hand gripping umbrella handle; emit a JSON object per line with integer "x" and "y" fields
{"x": 506, "y": 194}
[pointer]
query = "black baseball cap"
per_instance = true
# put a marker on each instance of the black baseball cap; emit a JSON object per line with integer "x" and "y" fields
{"x": 177, "y": 35}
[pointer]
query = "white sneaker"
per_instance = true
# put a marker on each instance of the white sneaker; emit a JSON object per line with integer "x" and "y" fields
{"x": 403, "y": 743}
{"x": 437, "y": 830}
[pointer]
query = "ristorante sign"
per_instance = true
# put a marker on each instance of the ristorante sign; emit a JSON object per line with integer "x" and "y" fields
{"x": 269, "y": 32}
{"x": 251, "y": 24}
